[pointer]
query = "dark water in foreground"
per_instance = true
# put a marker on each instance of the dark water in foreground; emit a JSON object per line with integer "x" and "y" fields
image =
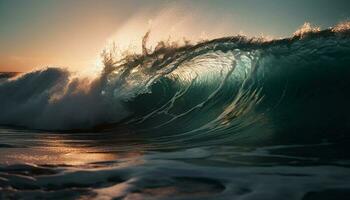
{"x": 230, "y": 118}
{"x": 41, "y": 165}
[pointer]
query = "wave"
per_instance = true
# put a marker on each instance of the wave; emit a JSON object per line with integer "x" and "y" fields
{"x": 223, "y": 90}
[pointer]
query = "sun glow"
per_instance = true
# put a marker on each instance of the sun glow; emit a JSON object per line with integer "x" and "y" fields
{"x": 172, "y": 24}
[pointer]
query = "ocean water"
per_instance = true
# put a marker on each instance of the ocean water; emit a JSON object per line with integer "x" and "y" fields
{"x": 41, "y": 165}
{"x": 230, "y": 118}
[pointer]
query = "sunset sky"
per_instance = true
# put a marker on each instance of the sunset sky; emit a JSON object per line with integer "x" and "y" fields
{"x": 72, "y": 33}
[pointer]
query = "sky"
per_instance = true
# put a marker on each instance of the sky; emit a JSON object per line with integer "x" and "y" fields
{"x": 36, "y": 34}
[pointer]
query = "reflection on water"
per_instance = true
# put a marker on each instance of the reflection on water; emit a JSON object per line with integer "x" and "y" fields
{"x": 39, "y": 165}
{"x": 63, "y": 149}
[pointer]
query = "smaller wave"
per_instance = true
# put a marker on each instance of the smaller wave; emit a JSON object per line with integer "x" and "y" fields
{"x": 50, "y": 99}
{"x": 7, "y": 75}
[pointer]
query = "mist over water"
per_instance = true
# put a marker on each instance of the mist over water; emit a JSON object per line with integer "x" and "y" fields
{"x": 231, "y": 117}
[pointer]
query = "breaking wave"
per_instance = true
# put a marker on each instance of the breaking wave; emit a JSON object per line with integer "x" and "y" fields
{"x": 223, "y": 90}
